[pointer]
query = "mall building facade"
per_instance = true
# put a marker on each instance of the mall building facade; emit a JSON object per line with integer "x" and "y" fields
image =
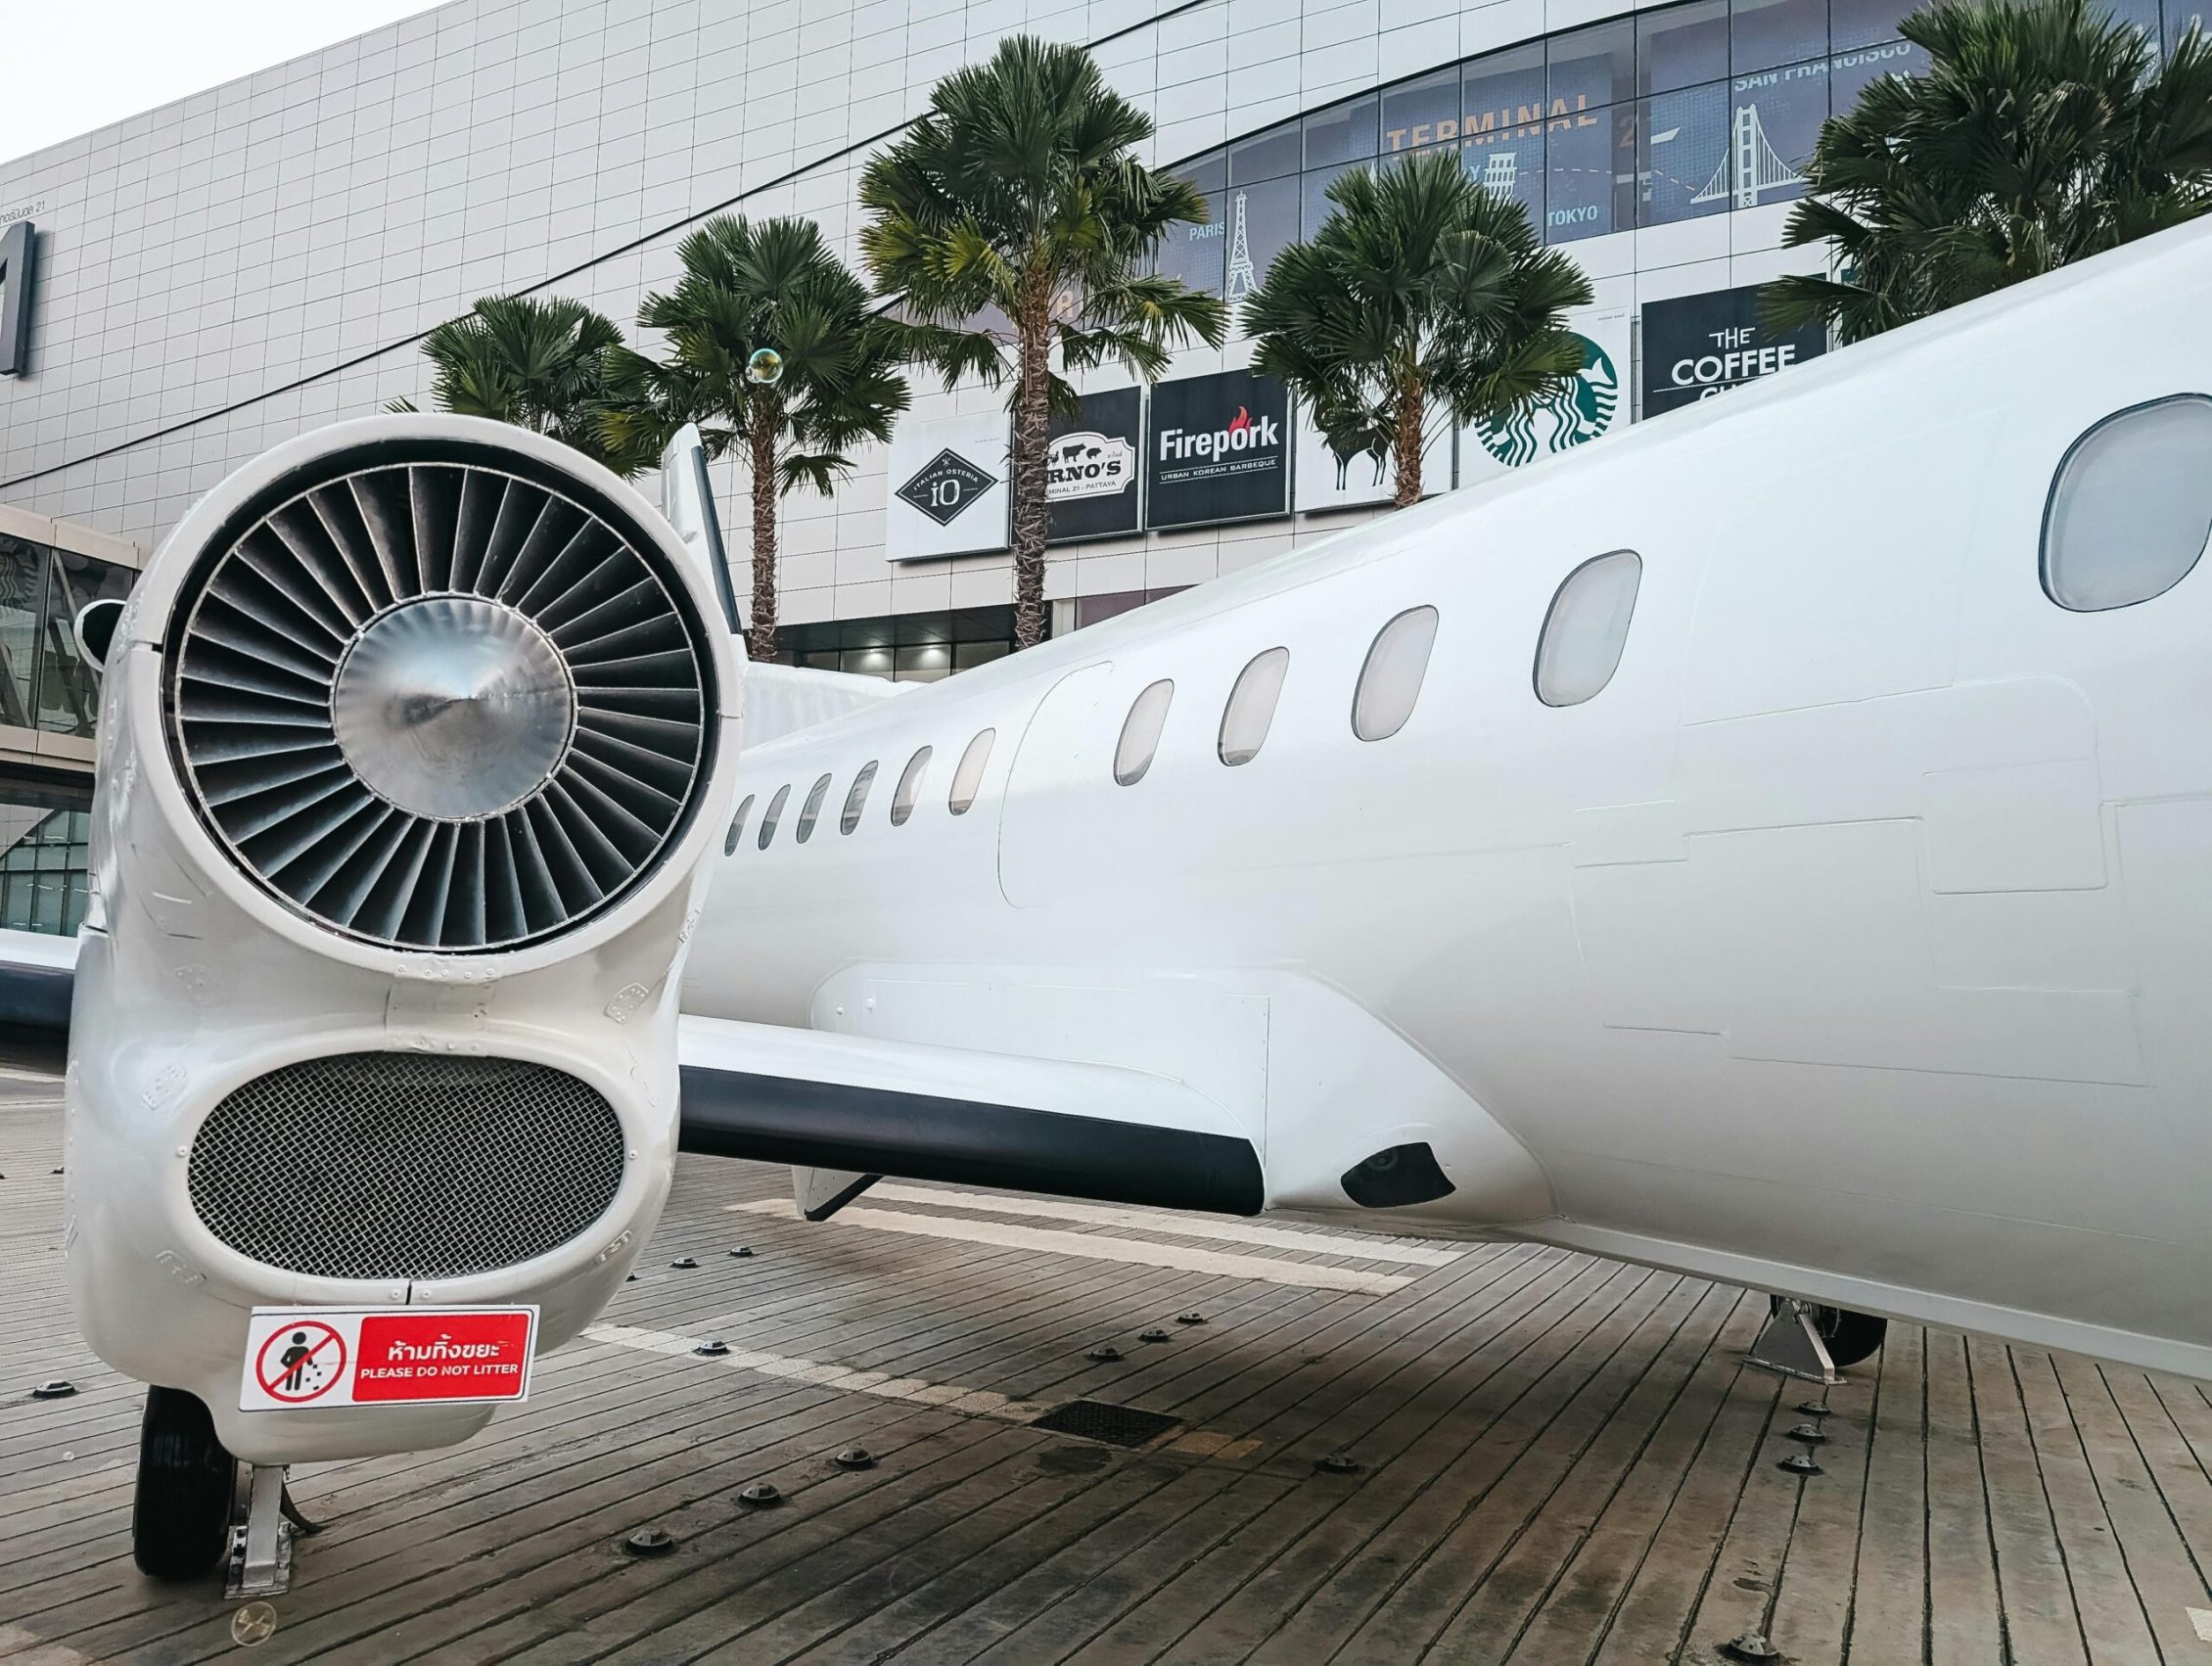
{"x": 184, "y": 289}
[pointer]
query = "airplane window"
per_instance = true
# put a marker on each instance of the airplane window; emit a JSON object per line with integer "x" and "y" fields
{"x": 1140, "y": 732}
{"x": 856, "y": 800}
{"x": 969, "y": 776}
{"x": 1390, "y": 679}
{"x": 2132, "y": 507}
{"x": 1252, "y": 706}
{"x": 737, "y": 826}
{"x": 1587, "y": 629}
{"x": 811, "y": 810}
{"x": 774, "y": 814}
{"x": 909, "y": 787}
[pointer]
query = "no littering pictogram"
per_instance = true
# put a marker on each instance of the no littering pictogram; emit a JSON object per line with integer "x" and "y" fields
{"x": 301, "y": 1362}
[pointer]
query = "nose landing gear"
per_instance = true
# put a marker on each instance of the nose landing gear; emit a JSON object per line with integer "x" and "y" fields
{"x": 191, "y": 1514}
{"x": 1804, "y": 1339}
{"x": 180, "y": 1517}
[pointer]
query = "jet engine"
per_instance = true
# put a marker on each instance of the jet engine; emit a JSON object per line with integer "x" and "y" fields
{"x": 417, "y": 736}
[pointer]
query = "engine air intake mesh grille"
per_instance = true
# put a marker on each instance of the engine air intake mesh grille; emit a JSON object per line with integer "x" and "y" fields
{"x": 403, "y": 1165}
{"x": 434, "y": 703}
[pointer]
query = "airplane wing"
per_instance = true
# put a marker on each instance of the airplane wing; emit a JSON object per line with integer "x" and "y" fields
{"x": 38, "y": 972}
{"x": 821, "y": 1101}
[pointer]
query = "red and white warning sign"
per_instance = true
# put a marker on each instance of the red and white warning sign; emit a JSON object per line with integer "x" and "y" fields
{"x": 385, "y": 1356}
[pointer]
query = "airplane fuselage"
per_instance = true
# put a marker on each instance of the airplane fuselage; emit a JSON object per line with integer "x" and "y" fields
{"x": 1849, "y": 942}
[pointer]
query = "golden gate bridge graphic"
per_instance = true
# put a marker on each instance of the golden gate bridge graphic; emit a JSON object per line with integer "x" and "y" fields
{"x": 1751, "y": 164}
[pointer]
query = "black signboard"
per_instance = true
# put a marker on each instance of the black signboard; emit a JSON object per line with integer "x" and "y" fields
{"x": 1091, "y": 468}
{"x": 1696, "y": 345}
{"x": 1219, "y": 451}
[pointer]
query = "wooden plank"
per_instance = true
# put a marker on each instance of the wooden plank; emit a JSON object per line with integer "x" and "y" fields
{"x": 1653, "y": 1619}
{"x": 2040, "y": 1617}
{"x": 2161, "y": 1576}
{"x": 1579, "y": 1611}
{"x": 1510, "y": 1569}
{"x": 1889, "y": 1596}
{"x": 1966, "y": 1621}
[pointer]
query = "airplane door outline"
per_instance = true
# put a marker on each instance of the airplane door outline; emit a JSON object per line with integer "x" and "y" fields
{"x": 1058, "y": 746}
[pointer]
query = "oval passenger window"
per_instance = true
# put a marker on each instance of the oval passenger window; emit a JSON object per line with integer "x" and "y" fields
{"x": 1587, "y": 629}
{"x": 737, "y": 826}
{"x": 811, "y": 810}
{"x": 967, "y": 780}
{"x": 1252, "y": 706}
{"x": 773, "y": 815}
{"x": 1140, "y": 732}
{"x": 909, "y": 787}
{"x": 1390, "y": 679}
{"x": 856, "y": 800}
{"x": 2131, "y": 508}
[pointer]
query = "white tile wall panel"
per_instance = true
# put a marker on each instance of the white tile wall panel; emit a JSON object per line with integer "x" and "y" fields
{"x": 214, "y": 269}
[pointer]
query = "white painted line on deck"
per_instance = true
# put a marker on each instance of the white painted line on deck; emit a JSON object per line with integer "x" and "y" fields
{"x": 1096, "y": 1246}
{"x": 1180, "y": 1226}
{"x": 980, "y": 1402}
{"x": 2201, "y": 1619}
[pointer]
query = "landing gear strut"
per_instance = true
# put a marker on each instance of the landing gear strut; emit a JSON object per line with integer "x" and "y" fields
{"x": 180, "y": 1518}
{"x": 1804, "y": 1339}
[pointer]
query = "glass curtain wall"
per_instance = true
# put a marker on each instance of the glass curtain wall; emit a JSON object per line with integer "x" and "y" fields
{"x": 1677, "y": 113}
{"x": 45, "y": 854}
{"x": 44, "y": 684}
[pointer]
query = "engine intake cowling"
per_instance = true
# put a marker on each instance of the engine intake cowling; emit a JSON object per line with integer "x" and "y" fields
{"x": 431, "y": 694}
{"x": 416, "y": 745}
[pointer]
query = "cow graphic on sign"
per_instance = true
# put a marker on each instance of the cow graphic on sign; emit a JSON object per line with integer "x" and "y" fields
{"x": 299, "y": 1364}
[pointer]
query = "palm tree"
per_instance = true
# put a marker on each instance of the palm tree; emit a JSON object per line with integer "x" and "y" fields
{"x": 539, "y": 364}
{"x": 1017, "y": 222}
{"x": 1421, "y": 288}
{"x": 2043, "y": 131}
{"x": 774, "y": 348}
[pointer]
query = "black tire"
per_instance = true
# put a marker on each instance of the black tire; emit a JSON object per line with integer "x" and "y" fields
{"x": 1848, "y": 1336}
{"x": 180, "y": 1518}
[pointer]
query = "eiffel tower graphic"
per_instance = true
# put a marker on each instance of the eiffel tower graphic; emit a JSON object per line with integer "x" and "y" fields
{"x": 1752, "y": 164}
{"x": 1241, "y": 279}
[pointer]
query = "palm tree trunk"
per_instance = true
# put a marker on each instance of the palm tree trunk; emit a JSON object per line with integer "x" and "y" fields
{"x": 761, "y": 637}
{"x": 1032, "y": 427}
{"x": 1406, "y": 446}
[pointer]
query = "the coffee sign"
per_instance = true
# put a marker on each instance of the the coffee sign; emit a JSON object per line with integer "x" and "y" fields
{"x": 1697, "y": 345}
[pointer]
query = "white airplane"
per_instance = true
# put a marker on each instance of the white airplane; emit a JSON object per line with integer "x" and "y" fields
{"x": 1772, "y": 843}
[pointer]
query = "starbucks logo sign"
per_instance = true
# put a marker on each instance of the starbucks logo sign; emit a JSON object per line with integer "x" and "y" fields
{"x": 1578, "y": 411}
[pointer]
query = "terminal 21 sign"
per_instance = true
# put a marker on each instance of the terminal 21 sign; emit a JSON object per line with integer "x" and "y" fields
{"x": 19, "y": 273}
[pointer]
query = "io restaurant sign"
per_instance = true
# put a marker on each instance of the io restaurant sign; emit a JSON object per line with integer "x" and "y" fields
{"x": 1696, "y": 345}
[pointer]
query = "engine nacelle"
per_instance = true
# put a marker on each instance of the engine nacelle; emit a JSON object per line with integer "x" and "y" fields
{"x": 417, "y": 737}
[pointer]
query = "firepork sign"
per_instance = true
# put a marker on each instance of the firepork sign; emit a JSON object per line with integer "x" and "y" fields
{"x": 1220, "y": 450}
{"x": 1091, "y": 468}
{"x": 1696, "y": 345}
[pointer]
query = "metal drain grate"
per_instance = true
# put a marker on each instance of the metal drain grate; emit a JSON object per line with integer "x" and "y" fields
{"x": 1095, "y": 1421}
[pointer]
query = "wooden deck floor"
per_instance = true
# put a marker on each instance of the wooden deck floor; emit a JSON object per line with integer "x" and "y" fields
{"x": 1562, "y": 1460}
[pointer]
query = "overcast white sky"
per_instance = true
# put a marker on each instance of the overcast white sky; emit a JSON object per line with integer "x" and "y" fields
{"x": 75, "y": 64}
